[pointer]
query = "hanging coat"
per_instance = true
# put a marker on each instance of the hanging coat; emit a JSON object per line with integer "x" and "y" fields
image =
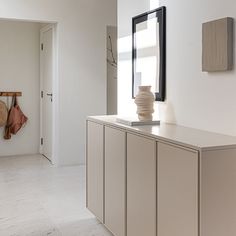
{"x": 3, "y": 114}
{"x": 16, "y": 119}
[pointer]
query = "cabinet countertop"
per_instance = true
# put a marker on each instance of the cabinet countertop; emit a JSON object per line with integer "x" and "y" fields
{"x": 188, "y": 137}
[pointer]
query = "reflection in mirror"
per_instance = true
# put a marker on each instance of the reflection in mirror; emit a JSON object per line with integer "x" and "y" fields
{"x": 149, "y": 52}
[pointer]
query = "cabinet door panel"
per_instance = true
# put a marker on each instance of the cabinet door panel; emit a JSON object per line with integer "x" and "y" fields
{"x": 141, "y": 186}
{"x": 95, "y": 169}
{"x": 177, "y": 191}
{"x": 218, "y": 193}
{"x": 115, "y": 168}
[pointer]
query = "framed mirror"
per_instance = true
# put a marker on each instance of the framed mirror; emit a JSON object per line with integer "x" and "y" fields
{"x": 149, "y": 52}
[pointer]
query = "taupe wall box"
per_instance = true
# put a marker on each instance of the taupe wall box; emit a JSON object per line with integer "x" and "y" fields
{"x": 217, "y": 45}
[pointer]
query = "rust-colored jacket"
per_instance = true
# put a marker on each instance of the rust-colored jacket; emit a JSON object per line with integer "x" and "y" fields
{"x": 16, "y": 119}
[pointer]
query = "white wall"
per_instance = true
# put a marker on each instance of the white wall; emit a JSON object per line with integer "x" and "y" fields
{"x": 194, "y": 98}
{"x": 19, "y": 71}
{"x": 81, "y": 61}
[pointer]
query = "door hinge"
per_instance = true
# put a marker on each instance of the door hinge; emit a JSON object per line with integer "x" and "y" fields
{"x": 42, "y": 46}
{"x": 41, "y": 141}
{"x": 41, "y": 94}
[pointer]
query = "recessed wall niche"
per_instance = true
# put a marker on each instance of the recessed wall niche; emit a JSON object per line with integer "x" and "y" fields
{"x": 217, "y": 45}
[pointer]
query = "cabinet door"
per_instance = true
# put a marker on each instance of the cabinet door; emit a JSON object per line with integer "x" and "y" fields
{"x": 115, "y": 168}
{"x": 95, "y": 169}
{"x": 218, "y": 193}
{"x": 177, "y": 191}
{"x": 141, "y": 186}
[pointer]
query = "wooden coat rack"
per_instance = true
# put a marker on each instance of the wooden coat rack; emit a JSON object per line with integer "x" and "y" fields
{"x": 10, "y": 94}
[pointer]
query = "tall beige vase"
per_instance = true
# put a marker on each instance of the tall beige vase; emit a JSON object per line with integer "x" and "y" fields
{"x": 144, "y": 101}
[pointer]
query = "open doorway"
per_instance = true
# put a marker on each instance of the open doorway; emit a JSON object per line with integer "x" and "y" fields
{"x": 20, "y": 65}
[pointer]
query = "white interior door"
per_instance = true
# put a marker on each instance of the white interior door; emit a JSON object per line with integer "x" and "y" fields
{"x": 46, "y": 93}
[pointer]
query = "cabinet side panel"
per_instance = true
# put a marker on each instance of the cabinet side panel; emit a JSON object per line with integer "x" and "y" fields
{"x": 141, "y": 186}
{"x": 115, "y": 167}
{"x": 218, "y": 193}
{"x": 95, "y": 169}
{"x": 177, "y": 191}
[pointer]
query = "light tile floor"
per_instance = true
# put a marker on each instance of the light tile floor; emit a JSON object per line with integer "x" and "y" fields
{"x": 38, "y": 199}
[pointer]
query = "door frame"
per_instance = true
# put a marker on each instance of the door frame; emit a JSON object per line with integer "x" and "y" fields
{"x": 55, "y": 91}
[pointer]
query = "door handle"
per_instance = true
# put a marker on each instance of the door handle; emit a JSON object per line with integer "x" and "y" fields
{"x": 50, "y": 94}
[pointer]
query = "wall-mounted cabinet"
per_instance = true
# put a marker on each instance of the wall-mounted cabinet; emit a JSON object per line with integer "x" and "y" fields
{"x": 160, "y": 180}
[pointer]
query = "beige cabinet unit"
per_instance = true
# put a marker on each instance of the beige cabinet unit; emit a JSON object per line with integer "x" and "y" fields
{"x": 218, "y": 193}
{"x": 160, "y": 180}
{"x": 141, "y": 186}
{"x": 115, "y": 180}
{"x": 177, "y": 194}
{"x": 95, "y": 169}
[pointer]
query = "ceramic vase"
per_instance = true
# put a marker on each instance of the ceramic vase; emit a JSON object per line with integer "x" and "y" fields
{"x": 144, "y": 101}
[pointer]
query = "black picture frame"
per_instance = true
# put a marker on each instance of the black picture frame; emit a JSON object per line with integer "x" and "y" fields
{"x": 160, "y": 14}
